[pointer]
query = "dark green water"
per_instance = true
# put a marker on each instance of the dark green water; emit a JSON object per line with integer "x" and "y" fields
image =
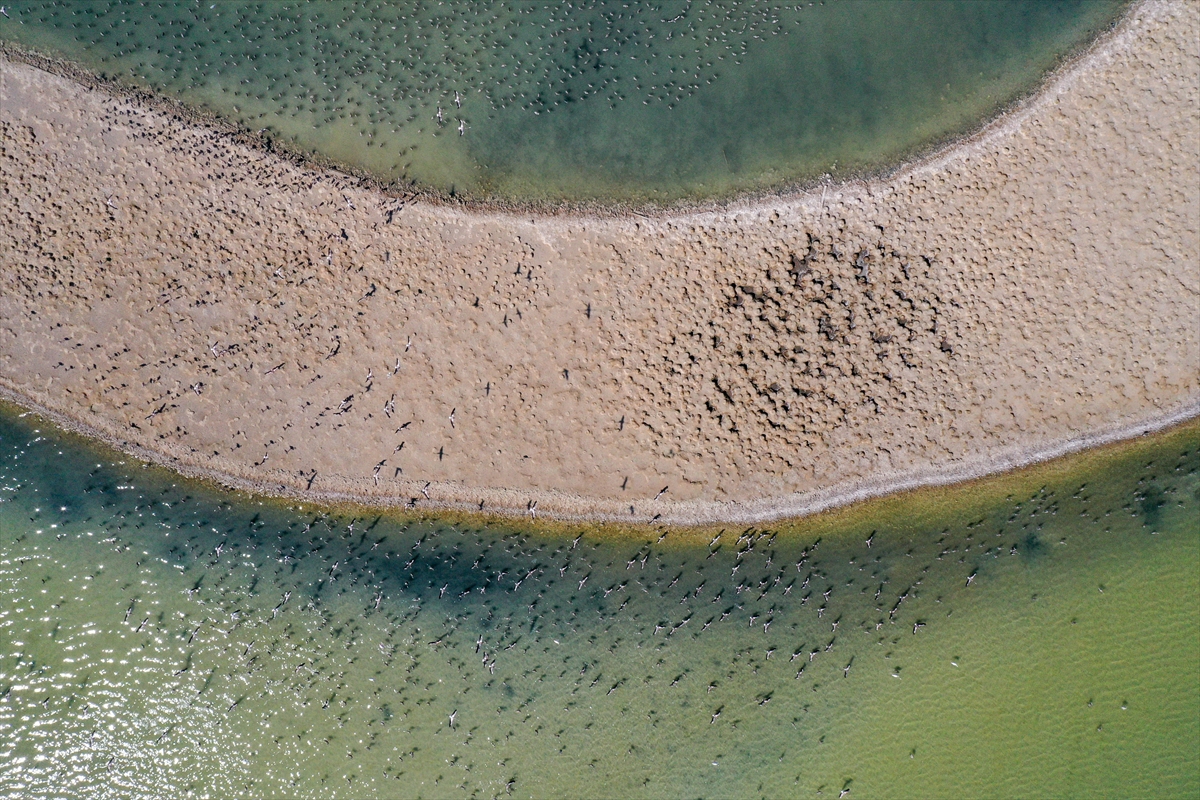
{"x": 1036, "y": 635}
{"x": 583, "y": 101}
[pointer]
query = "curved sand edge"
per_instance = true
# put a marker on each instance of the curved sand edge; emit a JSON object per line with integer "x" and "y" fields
{"x": 263, "y": 141}
{"x": 760, "y": 511}
{"x": 1001, "y": 312}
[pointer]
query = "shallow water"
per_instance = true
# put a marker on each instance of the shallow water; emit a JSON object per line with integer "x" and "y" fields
{"x": 607, "y": 101}
{"x": 1032, "y": 635}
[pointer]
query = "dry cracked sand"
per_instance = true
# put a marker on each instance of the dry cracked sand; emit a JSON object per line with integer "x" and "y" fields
{"x": 216, "y": 308}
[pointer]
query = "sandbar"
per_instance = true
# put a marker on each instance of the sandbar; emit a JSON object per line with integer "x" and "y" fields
{"x": 212, "y": 306}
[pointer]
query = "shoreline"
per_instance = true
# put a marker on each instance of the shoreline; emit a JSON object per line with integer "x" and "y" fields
{"x": 766, "y": 511}
{"x": 908, "y": 161}
{"x": 727, "y": 340}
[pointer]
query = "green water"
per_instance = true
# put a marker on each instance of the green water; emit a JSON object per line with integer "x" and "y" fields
{"x": 163, "y": 639}
{"x": 583, "y": 101}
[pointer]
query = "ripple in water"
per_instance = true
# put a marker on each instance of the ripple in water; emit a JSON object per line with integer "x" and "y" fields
{"x": 163, "y": 638}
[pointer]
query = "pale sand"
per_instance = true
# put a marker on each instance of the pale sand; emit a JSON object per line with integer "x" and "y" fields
{"x": 1026, "y": 293}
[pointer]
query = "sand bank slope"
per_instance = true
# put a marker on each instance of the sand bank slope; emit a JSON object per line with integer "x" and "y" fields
{"x": 228, "y": 312}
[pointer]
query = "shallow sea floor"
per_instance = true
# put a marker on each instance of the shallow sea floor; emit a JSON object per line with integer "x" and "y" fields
{"x": 1036, "y": 634}
{"x": 608, "y": 101}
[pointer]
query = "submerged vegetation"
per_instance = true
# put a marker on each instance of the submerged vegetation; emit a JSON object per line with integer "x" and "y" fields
{"x": 161, "y": 636}
{"x": 594, "y": 101}
{"x": 1029, "y": 634}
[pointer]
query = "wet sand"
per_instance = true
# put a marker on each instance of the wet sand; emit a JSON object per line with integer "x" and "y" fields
{"x": 214, "y": 307}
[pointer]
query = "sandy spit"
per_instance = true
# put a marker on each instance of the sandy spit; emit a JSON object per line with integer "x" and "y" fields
{"x": 231, "y": 314}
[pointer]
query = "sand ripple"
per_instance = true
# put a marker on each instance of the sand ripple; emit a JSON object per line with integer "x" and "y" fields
{"x": 228, "y": 312}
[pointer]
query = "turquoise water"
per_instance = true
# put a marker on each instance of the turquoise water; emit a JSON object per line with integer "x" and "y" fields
{"x": 1032, "y": 635}
{"x": 583, "y": 101}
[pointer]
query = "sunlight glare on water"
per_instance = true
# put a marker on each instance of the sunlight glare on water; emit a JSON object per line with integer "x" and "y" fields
{"x": 161, "y": 637}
